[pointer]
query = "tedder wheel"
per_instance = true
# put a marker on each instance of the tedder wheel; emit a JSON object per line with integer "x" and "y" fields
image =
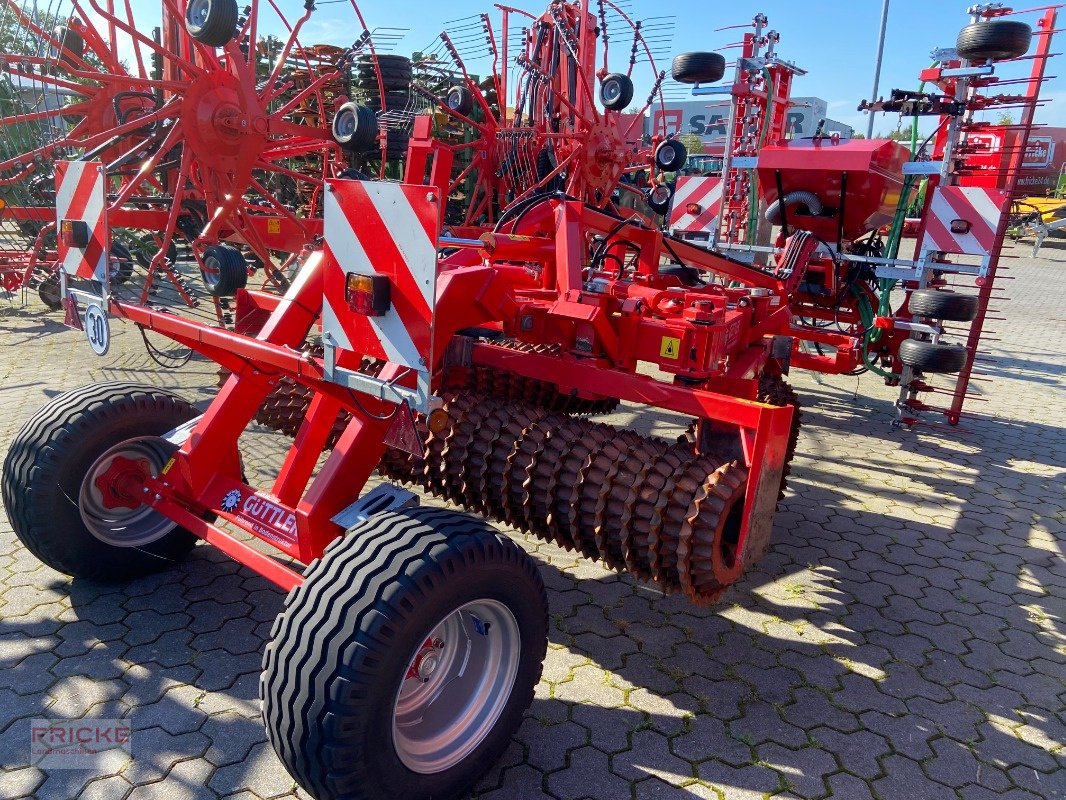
{"x": 698, "y": 67}
{"x": 355, "y": 127}
{"x": 949, "y": 306}
{"x": 73, "y": 481}
{"x": 616, "y": 91}
{"x": 404, "y": 662}
{"x": 224, "y": 270}
{"x": 932, "y": 358}
{"x": 120, "y": 264}
{"x": 671, "y": 155}
{"x": 997, "y": 40}
{"x": 460, "y": 100}
{"x": 50, "y": 293}
{"x": 71, "y": 45}
{"x": 211, "y": 22}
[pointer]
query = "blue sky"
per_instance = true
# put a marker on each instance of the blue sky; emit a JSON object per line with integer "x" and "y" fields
{"x": 835, "y": 40}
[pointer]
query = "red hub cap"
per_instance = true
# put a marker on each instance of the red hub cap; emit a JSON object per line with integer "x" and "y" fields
{"x": 122, "y": 484}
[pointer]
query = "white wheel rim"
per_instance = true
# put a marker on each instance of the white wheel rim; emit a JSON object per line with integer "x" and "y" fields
{"x": 455, "y": 686}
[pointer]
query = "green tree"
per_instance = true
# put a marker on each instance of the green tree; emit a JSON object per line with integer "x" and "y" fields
{"x": 692, "y": 143}
{"x": 1005, "y": 118}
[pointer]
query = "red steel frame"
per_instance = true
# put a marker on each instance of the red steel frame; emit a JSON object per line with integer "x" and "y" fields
{"x": 207, "y": 466}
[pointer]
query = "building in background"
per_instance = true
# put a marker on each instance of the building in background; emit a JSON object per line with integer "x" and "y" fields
{"x": 708, "y": 119}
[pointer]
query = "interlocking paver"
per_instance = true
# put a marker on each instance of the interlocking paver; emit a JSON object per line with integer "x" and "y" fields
{"x": 903, "y": 638}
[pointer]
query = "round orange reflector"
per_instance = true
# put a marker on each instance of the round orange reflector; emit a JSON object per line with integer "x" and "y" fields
{"x": 693, "y": 208}
{"x": 438, "y": 420}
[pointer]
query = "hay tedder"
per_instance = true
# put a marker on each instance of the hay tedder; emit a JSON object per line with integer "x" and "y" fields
{"x": 450, "y": 329}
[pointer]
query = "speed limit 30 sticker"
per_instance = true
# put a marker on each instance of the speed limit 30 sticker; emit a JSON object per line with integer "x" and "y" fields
{"x": 97, "y": 329}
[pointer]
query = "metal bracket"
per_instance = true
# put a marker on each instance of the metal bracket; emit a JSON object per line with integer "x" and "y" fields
{"x": 378, "y": 500}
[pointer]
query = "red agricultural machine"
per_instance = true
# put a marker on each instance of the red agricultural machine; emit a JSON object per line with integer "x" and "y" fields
{"x": 214, "y": 162}
{"x": 451, "y": 332}
{"x": 926, "y": 222}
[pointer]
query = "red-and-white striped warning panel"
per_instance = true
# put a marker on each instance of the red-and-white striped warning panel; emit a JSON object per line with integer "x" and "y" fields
{"x": 81, "y": 196}
{"x": 975, "y": 212}
{"x": 705, "y": 197}
{"x": 388, "y": 229}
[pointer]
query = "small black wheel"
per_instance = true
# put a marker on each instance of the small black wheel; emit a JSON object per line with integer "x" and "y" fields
{"x": 932, "y": 358}
{"x": 404, "y": 662}
{"x": 395, "y": 71}
{"x": 997, "y": 40}
{"x": 224, "y": 270}
{"x": 355, "y": 127}
{"x": 616, "y": 91}
{"x": 193, "y": 219}
{"x": 659, "y": 199}
{"x": 698, "y": 67}
{"x": 50, "y": 292}
{"x": 73, "y": 478}
{"x": 71, "y": 46}
{"x": 396, "y": 144}
{"x": 460, "y": 100}
{"x": 937, "y": 304}
{"x": 211, "y": 22}
{"x": 120, "y": 264}
{"x": 671, "y": 155}
{"x": 686, "y": 274}
{"x": 396, "y": 100}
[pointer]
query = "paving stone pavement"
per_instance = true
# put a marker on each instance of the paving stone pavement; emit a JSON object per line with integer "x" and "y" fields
{"x": 904, "y": 638}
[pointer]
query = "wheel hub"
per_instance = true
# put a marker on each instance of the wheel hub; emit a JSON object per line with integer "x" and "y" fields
{"x": 223, "y": 123}
{"x": 456, "y": 686}
{"x": 121, "y": 484}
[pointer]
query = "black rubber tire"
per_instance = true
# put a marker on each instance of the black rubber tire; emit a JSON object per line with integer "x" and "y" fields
{"x": 616, "y": 91}
{"x": 71, "y": 46}
{"x": 232, "y": 270}
{"x": 120, "y": 263}
{"x": 49, "y": 457}
{"x": 460, "y": 100}
{"x": 396, "y": 100}
{"x": 671, "y": 155}
{"x": 936, "y": 304}
{"x": 355, "y": 127}
{"x": 698, "y": 67}
{"x": 211, "y": 22}
{"x": 998, "y": 40}
{"x": 396, "y": 146}
{"x": 932, "y": 358}
{"x": 340, "y": 648}
{"x": 687, "y": 275}
{"x": 396, "y": 73}
{"x": 49, "y": 292}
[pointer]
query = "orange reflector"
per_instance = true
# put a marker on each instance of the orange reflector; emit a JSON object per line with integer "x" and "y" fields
{"x": 694, "y": 209}
{"x": 367, "y": 294}
{"x": 74, "y": 233}
{"x": 437, "y": 420}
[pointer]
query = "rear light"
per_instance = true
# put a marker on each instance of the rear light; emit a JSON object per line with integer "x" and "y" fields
{"x": 694, "y": 209}
{"x": 960, "y": 226}
{"x": 438, "y": 420}
{"x": 367, "y": 294}
{"x": 74, "y": 233}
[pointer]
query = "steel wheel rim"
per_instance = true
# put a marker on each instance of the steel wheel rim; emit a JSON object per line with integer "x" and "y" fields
{"x": 212, "y": 272}
{"x": 451, "y": 696}
{"x": 124, "y": 527}
{"x": 612, "y": 90}
{"x": 345, "y": 123}
{"x": 198, "y": 12}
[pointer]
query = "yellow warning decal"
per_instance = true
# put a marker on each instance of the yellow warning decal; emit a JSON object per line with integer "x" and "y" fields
{"x": 166, "y": 469}
{"x": 273, "y": 226}
{"x": 670, "y": 348}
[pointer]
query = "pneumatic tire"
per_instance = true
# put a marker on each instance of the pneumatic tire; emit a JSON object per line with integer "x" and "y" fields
{"x": 211, "y": 22}
{"x": 932, "y": 358}
{"x": 698, "y": 67}
{"x": 936, "y": 304}
{"x": 616, "y": 91}
{"x": 224, "y": 270}
{"x": 997, "y": 40}
{"x": 355, "y": 652}
{"x": 48, "y": 481}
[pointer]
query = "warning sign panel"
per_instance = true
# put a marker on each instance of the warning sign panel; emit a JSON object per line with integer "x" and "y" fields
{"x": 670, "y": 347}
